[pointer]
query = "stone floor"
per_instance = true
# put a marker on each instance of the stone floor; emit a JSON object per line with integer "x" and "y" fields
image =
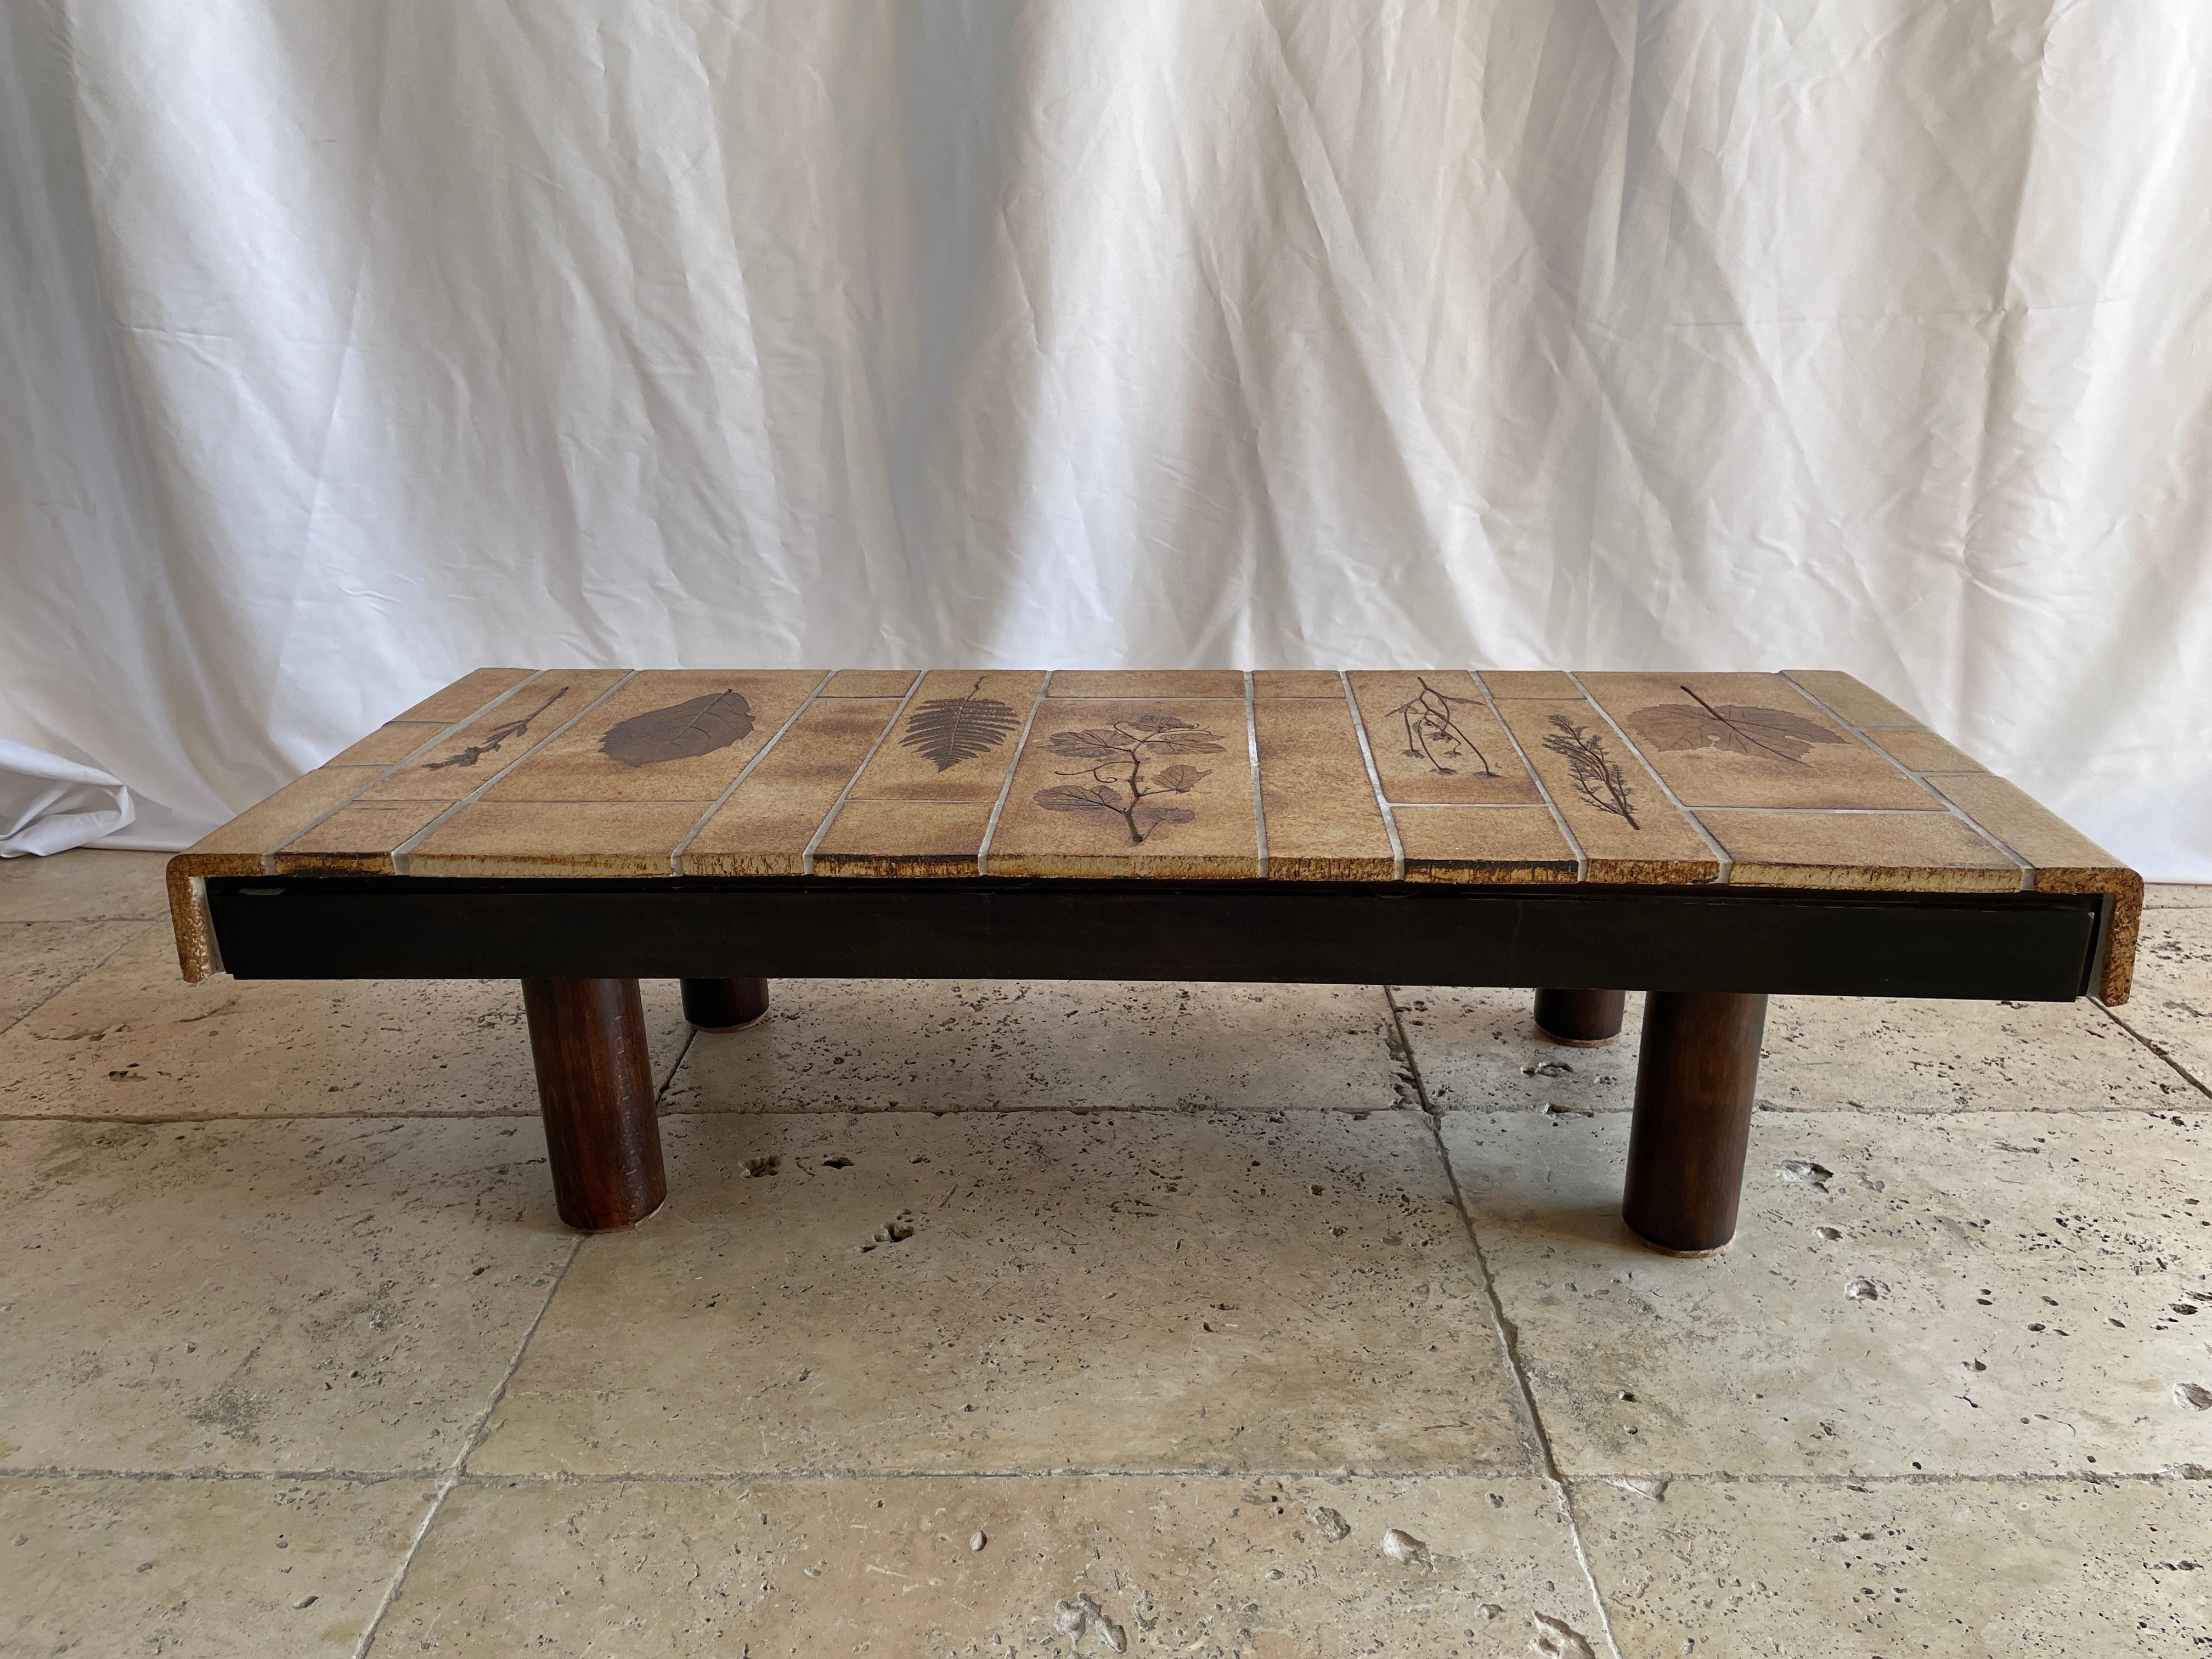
{"x": 1029, "y": 1319}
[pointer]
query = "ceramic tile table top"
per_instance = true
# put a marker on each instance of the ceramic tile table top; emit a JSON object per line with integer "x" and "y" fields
{"x": 1806, "y": 780}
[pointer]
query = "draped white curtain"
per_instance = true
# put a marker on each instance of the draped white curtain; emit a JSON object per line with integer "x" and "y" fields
{"x": 347, "y": 344}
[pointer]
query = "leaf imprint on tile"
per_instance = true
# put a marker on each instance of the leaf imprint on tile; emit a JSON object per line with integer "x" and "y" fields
{"x": 1811, "y": 1175}
{"x": 2197, "y": 1399}
{"x": 1557, "y": 1639}
{"x": 1334, "y": 1526}
{"x": 1406, "y": 1550}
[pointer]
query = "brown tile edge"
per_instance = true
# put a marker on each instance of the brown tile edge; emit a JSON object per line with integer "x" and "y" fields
{"x": 2116, "y": 973}
{"x": 186, "y": 877}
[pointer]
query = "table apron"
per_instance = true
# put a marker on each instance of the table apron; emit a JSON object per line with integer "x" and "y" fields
{"x": 2028, "y": 946}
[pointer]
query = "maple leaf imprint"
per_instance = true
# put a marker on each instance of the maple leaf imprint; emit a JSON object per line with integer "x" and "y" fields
{"x": 1732, "y": 728}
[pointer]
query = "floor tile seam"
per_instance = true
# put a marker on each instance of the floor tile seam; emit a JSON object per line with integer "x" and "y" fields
{"x": 2153, "y": 1046}
{"x": 212, "y": 1475}
{"x": 1918, "y": 1114}
{"x": 89, "y": 968}
{"x": 1508, "y": 1336}
{"x": 1918, "y": 1477}
{"x": 1170, "y": 1472}
{"x": 451, "y": 1476}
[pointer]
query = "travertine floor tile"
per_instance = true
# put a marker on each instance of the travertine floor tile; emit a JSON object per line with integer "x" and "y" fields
{"x": 37, "y": 958}
{"x": 1984, "y": 1293}
{"x": 132, "y": 1040}
{"x": 2172, "y": 1003}
{"x": 957, "y": 1046}
{"x": 1030, "y": 1291}
{"x": 83, "y": 886}
{"x": 2175, "y": 895}
{"x": 1191, "y": 1566}
{"x": 200, "y": 1568}
{"x": 1480, "y": 1050}
{"x": 278, "y": 1296}
{"x": 1968, "y": 1570}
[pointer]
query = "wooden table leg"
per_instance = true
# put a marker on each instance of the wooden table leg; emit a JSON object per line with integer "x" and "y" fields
{"x": 595, "y": 1088}
{"x": 1694, "y": 1082}
{"x": 725, "y": 1005}
{"x": 1581, "y": 1019}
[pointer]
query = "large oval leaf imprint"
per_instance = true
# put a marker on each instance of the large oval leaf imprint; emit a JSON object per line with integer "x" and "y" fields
{"x": 679, "y": 731}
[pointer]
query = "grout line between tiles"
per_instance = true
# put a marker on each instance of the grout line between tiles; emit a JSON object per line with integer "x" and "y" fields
{"x": 1508, "y": 1334}
{"x": 451, "y": 1476}
{"x": 676, "y": 857}
{"x": 1558, "y": 817}
{"x": 829, "y": 819}
{"x": 89, "y": 968}
{"x": 1727, "y": 860}
{"x": 2156, "y": 1048}
{"x": 1252, "y": 751}
{"x": 1375, "y": 779}
{"x": 1006, "y": 784}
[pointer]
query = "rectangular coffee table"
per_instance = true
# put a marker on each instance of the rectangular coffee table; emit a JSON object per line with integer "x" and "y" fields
{"x": 1709, "y": 839}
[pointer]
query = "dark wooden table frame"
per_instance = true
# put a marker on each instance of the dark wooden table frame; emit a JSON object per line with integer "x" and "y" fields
{"x": 1708, "y": 959}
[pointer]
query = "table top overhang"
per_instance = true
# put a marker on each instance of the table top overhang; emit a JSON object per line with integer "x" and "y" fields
{"x": 1806, "y": 780}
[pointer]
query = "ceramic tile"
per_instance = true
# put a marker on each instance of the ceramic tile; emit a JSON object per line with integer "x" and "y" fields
{"x": 1751, "y": 740}
{"x": 568, "y": 838}
{"x": 1852, "y": 699}
{"x": 472, "y": 756}
{"x": 767, "y": 824}
{"x": 1923, "y": 752}
{"x": 1480, "y": 1050}
{"x": 1170, "y": 1564}
{"x": 1969, "y": 1570}
{"x": 664, "y": 735}
{"x": 1484, "y": 843}
{"x": 358, "y": 839}
{"x": 239, "y": 848}
{"x": 1147, "y": 683}
{"x": 2065, "y": 860}
{"x": 955, "y": 738}
{"x": 1988, "y": 1292}
{"x": 1012, "y": 1045}
{"x": 904, "y": 838}
{"x": 1056, "y": 1292}
{"x": 388, "y": 746}
{"x": 466, "y": 696}
{"x": 1322, "y": 821}
{"x": 1892, "y": 851}
{"x": 1298, "y": 683}
{"x": 870, "y": 683}
{"x": 37, "y": 958}
{"x": 2174, "y": 1011}
{"x": 84, "y": 884}
{"x": 128, "y": 1041}
{"x": 1548, "y": 684}
{"x": 201, "y": 1569}
{"x": 1435, "y": 739}
{"x": 1629, "y": 831}
{"x": 284, "y": 1295}
{"x": 1073, "y": 810}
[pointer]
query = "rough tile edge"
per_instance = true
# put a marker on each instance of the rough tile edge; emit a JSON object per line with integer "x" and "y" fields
{"x": 785, "y": 863}
{"x": 1319, "y": 867}
{"x": 1487, "y": 873}
{"x": 1145, "y": 866}
{"x": 896, "y": 864}
{"x": 186, "y": 877}
{"x": 541, "y": 866}
{"x": 1654, "y": 872}
{"x": 2116, "y": 973}
{"x": 1857, "y": 878}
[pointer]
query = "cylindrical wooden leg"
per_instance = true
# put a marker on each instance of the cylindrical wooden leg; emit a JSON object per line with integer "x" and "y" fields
{"x": 724, "y": 1004}
{"x": 1581, "y": 1019}
{"x": 595, "y": 1088}
{"x": 1695, "y": 1082}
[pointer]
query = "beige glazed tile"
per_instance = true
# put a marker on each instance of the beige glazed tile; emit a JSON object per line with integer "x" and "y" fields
{"x": 1322, "y": 821}
{"x": 1147, "y": 683}
{"x": 1545, "y": 683}
{"x": 1751, "y": 740}
{"x": 238, "y": 847}
{"x": 388, "y": 745}
{"x": 85, "y": 884}
{"x": 2171, "y": 1008}
{"x": 357, "y": 839}
{"x": 1141, "y": 1292}
{"x": 37, "y": 958}
{"x": 1298, "y": 683}
{"x": 770, "y": 819}
{"x": 1980, "y": 1294}
{"x": 1012, "y": 1045}
{"x": 564, "y": 838}
{"x": 1968, "y": 1570}
{"x": 1627, "y": 829}
{"x": 955, "y": 739}
{"x": 1190, "y": 1566}
{"x": 264, "y": 1295}
{"x": 472, "y": 756}
{"x": 1852, "y": 699}
{"x": 1141, "y": 789}
{"x": 662, "y": 735}
{"x": 1434, "y": 739}
{"x": 129, "y": 1040}
{"x": 1923, "y": 752}
{"x": 904, "y": 838}
{"x": 200, "y": 1569}
{"x": 465, "y": 696}
{"x": 1892, "y": 852}
{"x": 870, "y": 683}
{"x": 1484, "y": 844}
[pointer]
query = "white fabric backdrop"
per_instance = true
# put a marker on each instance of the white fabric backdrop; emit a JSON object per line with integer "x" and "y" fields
{"x": 346, "y": 346}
